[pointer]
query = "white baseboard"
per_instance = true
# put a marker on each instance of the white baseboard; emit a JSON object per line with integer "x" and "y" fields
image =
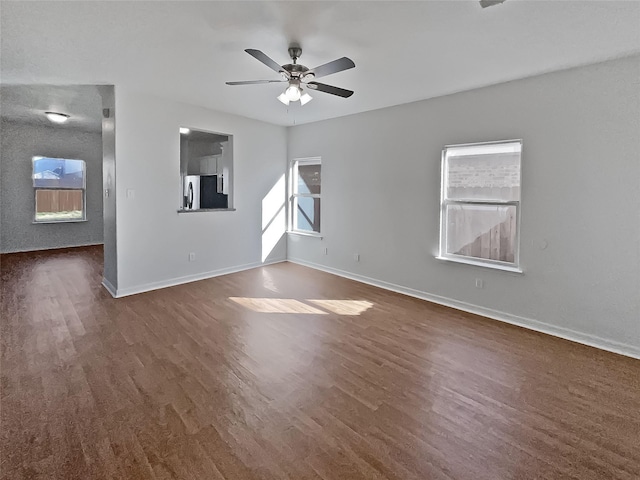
{"x": 51, "y": 248}
{"x": 109, "y": 286}
{"x": 531, "y": 324}
{"x": 124, "y": 292}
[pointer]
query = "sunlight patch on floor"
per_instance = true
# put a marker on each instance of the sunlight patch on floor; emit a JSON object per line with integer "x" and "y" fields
{"x": 291, "y": 305}
{"x": 276, "y": 305}
{"x": 343, "y": 307}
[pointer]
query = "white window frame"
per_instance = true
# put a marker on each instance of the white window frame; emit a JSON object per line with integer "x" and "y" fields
{"x": 293, "y": 194}
{"x": 83, "y": 188}
{"x": 444, "y": 202}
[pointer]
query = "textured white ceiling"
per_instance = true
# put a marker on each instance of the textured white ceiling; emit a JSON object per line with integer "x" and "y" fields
{"x": 403, "y": 51}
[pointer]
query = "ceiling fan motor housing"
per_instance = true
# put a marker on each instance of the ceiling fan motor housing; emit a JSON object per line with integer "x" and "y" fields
{"x": 295, "y": 69}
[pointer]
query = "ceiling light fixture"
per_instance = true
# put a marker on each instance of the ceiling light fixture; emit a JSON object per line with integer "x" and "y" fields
{"x": 56, "y": 117}
{"x": 305, "y": 98}
{"x": 294, "y": 93}
{"x": 184, "y": 130}
{"x": 283, "y": 98}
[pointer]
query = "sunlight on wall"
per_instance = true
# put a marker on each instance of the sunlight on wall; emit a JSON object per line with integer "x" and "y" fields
{"x": 274, "y": 222}
{"x": 343, "y": 307}
{"x": 290, "y": 305}
{"x": 276, "y": 305}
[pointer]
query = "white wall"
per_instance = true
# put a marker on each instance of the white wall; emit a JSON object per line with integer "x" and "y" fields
{"x": 20, "y": 142}
{"x": 153, "y": 240}
{"x": 580, "y": 197}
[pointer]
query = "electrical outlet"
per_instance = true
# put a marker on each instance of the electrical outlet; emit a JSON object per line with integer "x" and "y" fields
{"x": 479, "y": 283}
{"x": 326, "y": 251}
{"x": 356, "y": 257}
{"x": 192, "y": 257}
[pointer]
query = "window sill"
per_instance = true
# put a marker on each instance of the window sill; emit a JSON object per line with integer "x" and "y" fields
{"x": 208, "y": 210}
{"x": 305, "y": 234}
{"x": 505, "y": 268}
{"x": 49, "y": 222}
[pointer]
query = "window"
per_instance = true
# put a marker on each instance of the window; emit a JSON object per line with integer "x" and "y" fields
{"x": 480, "y": 204}
{"x": 59, "y": 186}
{"x": 305, "y": 195}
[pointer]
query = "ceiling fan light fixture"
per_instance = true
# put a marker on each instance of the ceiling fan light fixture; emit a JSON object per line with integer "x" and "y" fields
{"x": 283, "y": 98}
{"x": 305, "y": 98}
{"x": 293, "y": 93}
{"x": 56, "y": 117}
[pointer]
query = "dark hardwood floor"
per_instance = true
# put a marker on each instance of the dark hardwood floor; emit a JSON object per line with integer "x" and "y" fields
{"x": 284, "y": 372}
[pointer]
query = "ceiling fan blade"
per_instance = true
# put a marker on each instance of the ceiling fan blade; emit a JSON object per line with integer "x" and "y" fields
{"x": 255, "y": 82}
{"x": 262, "y": 57}
{"x": 321, "y": 87}
{"x": 336, "y": 66}
{"x": 490, "y": 3}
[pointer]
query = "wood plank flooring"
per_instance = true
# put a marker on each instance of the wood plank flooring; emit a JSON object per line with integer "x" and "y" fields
{"x": 283, "y": 372}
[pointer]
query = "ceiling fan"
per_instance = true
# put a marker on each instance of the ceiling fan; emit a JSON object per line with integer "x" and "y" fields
{"x": 299, "y": 76}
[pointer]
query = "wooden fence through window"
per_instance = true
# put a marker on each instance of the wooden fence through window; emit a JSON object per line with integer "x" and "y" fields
{"x": 54, "y": 201}
{"x": 498, "y": 243}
